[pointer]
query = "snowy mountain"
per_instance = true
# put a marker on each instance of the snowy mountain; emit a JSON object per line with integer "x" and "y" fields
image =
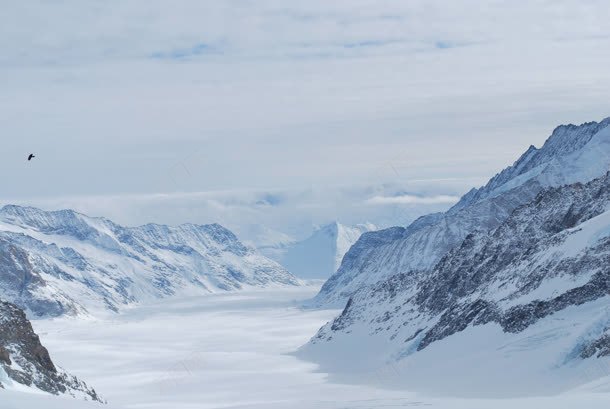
{"x": 269, "y": 242}
{"x": 319, "y": 255}
{"x": 26, "y": 365}
{"x": 63, "y": 262}
{"x": 571, "y": 154}
{"x": 526, "y": 289}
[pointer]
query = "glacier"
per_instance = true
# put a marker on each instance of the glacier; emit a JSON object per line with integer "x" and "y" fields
{"x": 241, "y": 359}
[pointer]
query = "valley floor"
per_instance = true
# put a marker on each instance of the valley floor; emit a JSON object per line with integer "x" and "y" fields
{"x": 224, "y": 351}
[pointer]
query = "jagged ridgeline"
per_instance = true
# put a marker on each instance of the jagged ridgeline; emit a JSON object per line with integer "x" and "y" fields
{"x": 24, "y": 361}
{"x": 64, "y": 262}
{"x": 516, "y": 274}
{"x": 571, "y": 154}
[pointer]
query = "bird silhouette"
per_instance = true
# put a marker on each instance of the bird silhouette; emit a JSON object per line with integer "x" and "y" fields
{"x": 31, "y": 156}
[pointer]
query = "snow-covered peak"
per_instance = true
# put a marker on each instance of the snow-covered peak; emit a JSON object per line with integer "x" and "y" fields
{"x": 319, "y": 255}
{"x": 528, "y": 298}
{"x": 572, "y": 154}
{"x": 43, "y": 220}
{"x": 66, "y": 262}
{"x": 111, "y": 236}
{"x": 566, "y": 139}
{"x": 194, "y": 235}
{"x": 561, "y": 146}
{"x": 98, "y": 231}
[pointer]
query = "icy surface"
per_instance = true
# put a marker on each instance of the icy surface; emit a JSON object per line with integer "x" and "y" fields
{"x": 233, "y": 350}
{"x": 320, "y": 255}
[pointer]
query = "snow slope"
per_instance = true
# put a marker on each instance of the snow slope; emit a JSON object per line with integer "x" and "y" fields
{"x": 63, "y": 262}
{"x": 320, "y": 255}
{"x": 528, "y": 302}
{"x": 269, "y": 242}
{"x": 241, "y": 360}
{"x": 571, "y": 154}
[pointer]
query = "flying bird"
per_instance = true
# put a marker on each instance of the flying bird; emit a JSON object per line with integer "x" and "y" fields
{"x": 31, "y": 156}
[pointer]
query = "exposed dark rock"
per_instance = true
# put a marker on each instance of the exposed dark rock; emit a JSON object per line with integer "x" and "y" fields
{"x": 342, "y": 320}
{"x": 5, "y": 357}
{"x": 462, "y": 289}
{"x": 420, "y": 246}
{"x": 20, "y": 281}
{"x": 600, "y": 347}
{"x": 457, "y": 318}
{"x": 27, "y": 361}
{"x": 520, "y": 317}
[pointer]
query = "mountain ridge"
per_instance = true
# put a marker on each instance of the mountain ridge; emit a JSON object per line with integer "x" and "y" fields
{"x": 423, "y": 243}
{"x": 64, "y": 262}
{"x": 530, "y": 270}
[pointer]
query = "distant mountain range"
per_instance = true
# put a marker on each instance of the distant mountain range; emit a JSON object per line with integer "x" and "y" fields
{"x": 319, "y": 255}
{"x": 509, "y": 289}
{"x": 64, "y": 262}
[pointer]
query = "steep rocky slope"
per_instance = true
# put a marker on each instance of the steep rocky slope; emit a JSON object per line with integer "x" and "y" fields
{"x": 548, "y": 255}
{"x": 25, "y": 363}
{"x": 571, "y": 154}
{"x": 526, "y": 290}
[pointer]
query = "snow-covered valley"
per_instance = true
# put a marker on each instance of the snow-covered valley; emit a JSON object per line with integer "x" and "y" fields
{"x": 500, "y": 302}
{"x": 233, "y": 350}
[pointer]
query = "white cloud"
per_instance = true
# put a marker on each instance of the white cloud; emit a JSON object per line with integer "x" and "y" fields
{"x": 119, "y": 98}
{"x": 411, "y": 199}
{"x": 292, "y": 211}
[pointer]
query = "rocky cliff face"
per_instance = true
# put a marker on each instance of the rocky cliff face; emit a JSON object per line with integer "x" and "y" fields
{"x": 532, "y": 269}
{"x": 24, "y": 361}
{"x": 63, "y": 262}
{"x": 571, "y": 154}
{"x": 560, "y": 237}
{"x": 549, "y": 255}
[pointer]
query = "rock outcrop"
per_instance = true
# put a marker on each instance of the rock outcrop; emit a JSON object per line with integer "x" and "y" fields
{"x": 26, "y": 361}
